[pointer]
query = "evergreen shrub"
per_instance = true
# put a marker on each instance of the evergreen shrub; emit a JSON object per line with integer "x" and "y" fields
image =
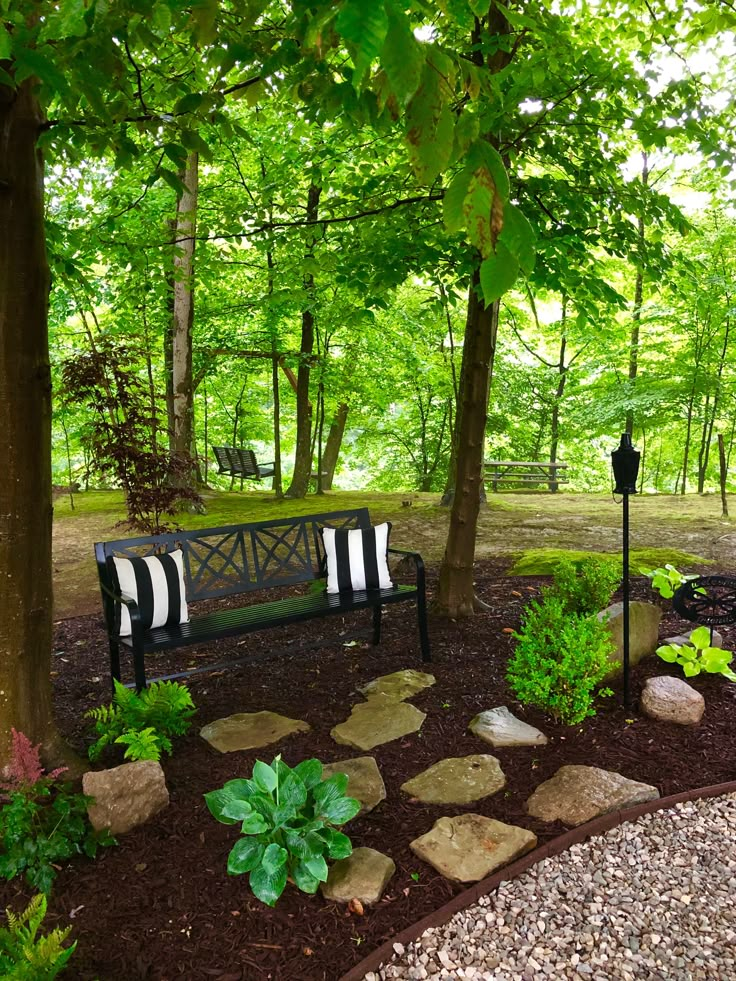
{"x": 586, "y": 586}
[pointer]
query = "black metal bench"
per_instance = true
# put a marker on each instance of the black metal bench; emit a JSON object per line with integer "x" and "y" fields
{"x": 241, "y": 463}
{"x": 236, "y": 559}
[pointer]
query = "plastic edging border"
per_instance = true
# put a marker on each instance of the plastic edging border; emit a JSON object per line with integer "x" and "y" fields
{"x": 554, "y": 847}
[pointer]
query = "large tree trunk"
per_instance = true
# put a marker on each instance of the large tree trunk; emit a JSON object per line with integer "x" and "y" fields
{"x": 303, "y": 452}
{"x": 333, "y": 444}
{"x": 456, "y": 596}
{"x": 181, "y": 346}
{"x": 26, "y": 610}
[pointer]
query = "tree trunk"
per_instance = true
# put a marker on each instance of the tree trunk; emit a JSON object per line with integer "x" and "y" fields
{"x": 186, "y": 218}
{"x": 554, "y": 436}
{"x": 723, "y": 474}
{"x": 26, "y": 603}
{"x": 303, "y": 453}
{"x": 638, "y": 300}
{"x": 333, "y": 444}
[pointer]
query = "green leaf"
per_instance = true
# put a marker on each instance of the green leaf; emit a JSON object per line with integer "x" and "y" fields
{"x": 330, "y": 790}
{"x": 317, "y": 867}
{"x": 244, "y": 856}
{"x": 237, "y": 809}
{"x": 429, "y": 127}
{"x": 498, "y": 273}
{"x": 304, "y": 879}
{"x": 6, "y": 44}
{"x": 264, "y": 777}
{"x": 668, "y": 653}
{"x": 274, "y": 857}
{"x": 477, "y": 210}
{"x": 363, "y": 23}
{"x": 30, "y": 62}
{"x": 309, "y": 772}
{"x": 216, "y": 801}
{"x": 243, "y": 789}
{"x": 254, "y": 824}
{"x": 268, "y": 886}
{"x": 691, "y": 668}
{"x": 454, "y": 200}
{"x": 700, "y": 637}
{"x": 519, "y": 236}
{"x": 402, "y": 57}
{"x": 292, "y": 792}
{"x": 305, "y": 846}
{"x": 338, "y": 844}
{"x": 342, "y": 810}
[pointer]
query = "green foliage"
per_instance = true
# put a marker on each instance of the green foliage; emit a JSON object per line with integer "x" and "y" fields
{"x": 544, "y": 561}
{"x": 26, "y": 956}
{"x": 666, "y": 580}
{"x": 698, "y": 656}
{"x": 586, "y": 586}
{"x": 290, "y": 819}
{"x": 559, "y": 660}
{"x": 143, "y": 722}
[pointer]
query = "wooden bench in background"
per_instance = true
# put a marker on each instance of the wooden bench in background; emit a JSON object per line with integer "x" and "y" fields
{"x": 241, "y": 463}
{"x": 524, "y": 472}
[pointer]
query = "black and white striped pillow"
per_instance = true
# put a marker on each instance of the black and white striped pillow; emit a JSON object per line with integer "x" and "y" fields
{"x": 357, "y": 558}
{"x": 156, "y": 583}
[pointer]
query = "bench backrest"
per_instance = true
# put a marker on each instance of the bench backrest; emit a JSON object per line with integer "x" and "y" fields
{"x": 239, "y": 558}
{"x": 222, "y": 457}
{"x": 243, "y": 462}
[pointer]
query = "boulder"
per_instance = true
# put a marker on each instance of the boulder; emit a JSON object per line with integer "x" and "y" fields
{"x": 462, "y": 780}
{"x": 670, "y": 699}
{"x": 249, "y": 730}
{"x": 499, "y": 727}
{"x": 379, "y": 720}
{"x": 399, "y": 686}
{"x": 365, "y": 782}
{"x": 469, "y": 847}
{"x": 643, "y": 631}
{"x": 362, "y": 875}
{"x": 683, "y": 640}
{"x": 126, "y": 795}
{"x": 576, "y": 794}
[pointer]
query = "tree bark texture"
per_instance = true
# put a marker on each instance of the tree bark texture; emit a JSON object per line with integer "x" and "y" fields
{"x": 26, "y": 609}
{"x": 333, "y": 444}
{"x": 181, "y": 343}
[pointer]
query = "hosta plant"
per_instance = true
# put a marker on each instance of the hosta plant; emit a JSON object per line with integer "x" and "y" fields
{"x": 290, "y": 820}
{"x": 698, "y": 656}
{"x": 667, "y": 579}
{"x": 26, "y": 956}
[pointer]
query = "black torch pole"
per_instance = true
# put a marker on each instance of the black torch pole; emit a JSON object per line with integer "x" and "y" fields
{"x": 626, "y": 597}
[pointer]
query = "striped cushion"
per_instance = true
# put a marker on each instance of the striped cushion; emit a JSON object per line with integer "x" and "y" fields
{"x": 156, "y": 583}
{"x": 357, "y": 558}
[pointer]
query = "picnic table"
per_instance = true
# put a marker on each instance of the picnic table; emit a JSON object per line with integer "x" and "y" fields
{"x": 524, "y": 472}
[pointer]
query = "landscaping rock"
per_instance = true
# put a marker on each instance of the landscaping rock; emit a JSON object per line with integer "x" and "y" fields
{"x": 462, "y": 780}
{"x": 398, "y": 686}
{"x": 643, "y": 631}
{"x": 500, "y": 728}
{"x": 249, "y": 730}
{"x": 683, "y": 640}
{"x": 469, "y": 847}
{"x": 576, "y": 794}
{"x": 362, "y": 875}
{"x": 672, "y": 700}
{"x": 379, "y": 720}
{"x": 126, "y": 795}
{"x": 365, "y": 782}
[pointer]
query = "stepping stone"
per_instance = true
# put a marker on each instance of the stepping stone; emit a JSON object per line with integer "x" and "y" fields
{"x": 469, "y": 847}
{"x": 365, "y": 782}
{"x": 576, "y": 794}
{"x": 126, "y": 795}
{"x": 462, "y": 780}
{"x": 500, "y": 728}
{"x": 362, "y": 875}
{"x": 672, "y": 700}
{"x": 249, "y": 730}
{"x": 398, "y": 686}
{"x": 683, "y": 640}
{"x": 643, "y": 632}
{"x": 379, "y": 720}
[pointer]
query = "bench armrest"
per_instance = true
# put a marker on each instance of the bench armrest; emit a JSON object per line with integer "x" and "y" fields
{"x": 136, "y": 624}
{"x": 418, "y": 562}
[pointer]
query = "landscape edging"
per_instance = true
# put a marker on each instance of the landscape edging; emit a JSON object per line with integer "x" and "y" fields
{"x": 599, "y": 825}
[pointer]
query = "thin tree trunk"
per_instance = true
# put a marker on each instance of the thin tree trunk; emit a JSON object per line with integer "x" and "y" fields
{"x": 168, "y": 342}
{"x": 688, "y": 432}
{"x": 554, "y": 435}
{"x": 278, "y": 487}
{"x": 333, "y": 444}
{"x": 723, "y": 474}
{"x": 704, "y": 449}
{"x": 638, "y": 301}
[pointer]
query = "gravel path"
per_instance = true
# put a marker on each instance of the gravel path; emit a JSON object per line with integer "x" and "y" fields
{"x": 650, "y": 899}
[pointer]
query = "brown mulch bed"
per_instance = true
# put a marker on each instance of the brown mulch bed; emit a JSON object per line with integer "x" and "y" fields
{"x": 160, "y": 906}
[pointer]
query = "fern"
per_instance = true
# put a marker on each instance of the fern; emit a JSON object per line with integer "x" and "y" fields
{"x": 144, "y": 745}
{"x": 26, "y": 956}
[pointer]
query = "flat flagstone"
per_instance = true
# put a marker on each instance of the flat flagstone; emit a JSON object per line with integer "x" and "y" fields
{"x": 362, "y": 875}
{"x": 379, "y": 720}
{"x": 469, "y": 847}
{"x": 365, "y": 782}
{"x": 499, "y": 727}
{"x": 399, "y": 686}
{"x": 462, "y": 780}
{"x": 576, "y": 794}
{"x": 249, "y": 730}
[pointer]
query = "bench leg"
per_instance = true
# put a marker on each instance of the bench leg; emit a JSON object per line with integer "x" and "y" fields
{"x": 422, "y": 612}
{"x": 376, "y": 625}
{"x": 139, "y": 669}
{"x": 114, "y": 663}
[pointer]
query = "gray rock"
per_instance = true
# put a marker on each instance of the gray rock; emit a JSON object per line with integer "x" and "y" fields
{"x": 576, "y": 794}
{"x": 379, "y": 720}
{"x": 672, "y": 700}
{"x": 461, "y": 780}
{"x": 249, "y": 730}
{"x": 643, "y": 631}
{"x": 469, "y": 847}
{"x": 362, "y": 875}
{"x": 399, "y": 686}
{"x": 499, "y": 727}
{"x": 126, "y": 795}
{"x": 365, "y": 782}
{"x": 683, "y": 640}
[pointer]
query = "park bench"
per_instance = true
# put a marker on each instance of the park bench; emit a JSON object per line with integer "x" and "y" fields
{"x": 524, "y": 472}
{"x": 221, "y": 562}
{"x": 241, "y": 463}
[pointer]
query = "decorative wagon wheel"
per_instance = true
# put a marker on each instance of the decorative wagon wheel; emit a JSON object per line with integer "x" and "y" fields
{"x": 716, "y": 606}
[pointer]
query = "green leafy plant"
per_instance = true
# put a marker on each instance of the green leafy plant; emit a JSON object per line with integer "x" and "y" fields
{"x": 698, "y": 656}
{"x": 26, "y": 956}
{"x": 42, "y": 822}
{"x": 559, "y": 660}
{"x": 667, "y": 579}
{"x": 585, "y": 586}
{"x": 144, "y": 722}
{"x": 290, "y": 819}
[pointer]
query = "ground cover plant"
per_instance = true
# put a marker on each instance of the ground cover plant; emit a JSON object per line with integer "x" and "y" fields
{"x": 26, "y": 954}
{"x": 698, "y": 655}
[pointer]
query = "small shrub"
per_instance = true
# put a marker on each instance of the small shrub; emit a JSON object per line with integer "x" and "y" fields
{"x": 290, "y": 818}
{"x": 26, "y": 956}
{"x": 559, "y": 660}
{"x": 698, "y": 656}
{"x": 143, "y": 722}
{"x": 41, "y": 823}
{"x": 586, "y": 586}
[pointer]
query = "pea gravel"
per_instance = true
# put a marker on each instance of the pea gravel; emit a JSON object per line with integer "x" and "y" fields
{"x": 650, "y": 899}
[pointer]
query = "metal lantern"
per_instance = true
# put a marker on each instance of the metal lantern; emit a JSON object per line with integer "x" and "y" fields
{"x": 625, "y": 463}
